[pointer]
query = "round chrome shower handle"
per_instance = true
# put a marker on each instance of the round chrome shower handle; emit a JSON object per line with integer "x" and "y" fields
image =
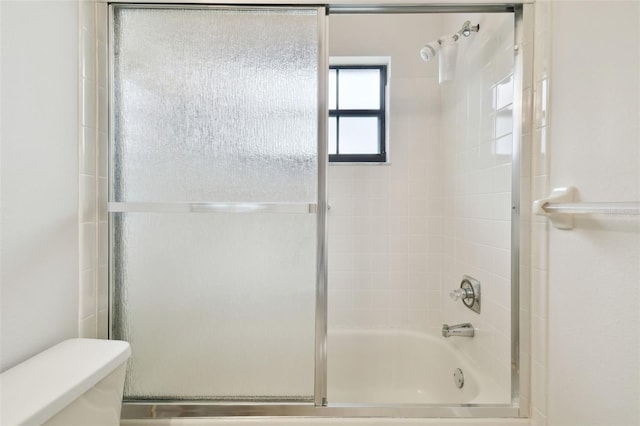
{"x": 469, "y": 292}
{"x": 461, "y": 293}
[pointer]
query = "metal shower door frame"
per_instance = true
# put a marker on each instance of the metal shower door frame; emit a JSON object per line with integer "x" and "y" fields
{"x": 319, "y": 208}
{"x": 320, "y": 406}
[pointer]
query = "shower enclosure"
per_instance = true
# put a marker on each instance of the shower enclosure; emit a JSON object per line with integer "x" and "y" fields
{"x": 219, "y": 236}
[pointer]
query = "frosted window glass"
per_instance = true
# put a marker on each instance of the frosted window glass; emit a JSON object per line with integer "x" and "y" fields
{"x": 504, "y": 121}
{"x": 215, "y": 105}
{"x": 358, "y": 135}
{"x": 332, "y": 89}
{"x": 359, "y": 89}
{"x": 504, "y": 92}
{"x": 333, "y": 135}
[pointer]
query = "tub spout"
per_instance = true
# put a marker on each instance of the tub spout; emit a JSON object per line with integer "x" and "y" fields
{"x": 464, "y": 330}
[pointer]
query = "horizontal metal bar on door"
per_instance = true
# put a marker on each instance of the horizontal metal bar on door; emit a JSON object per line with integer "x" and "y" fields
{"x": 214, "y": 207}
{"x": 612, "y": 208}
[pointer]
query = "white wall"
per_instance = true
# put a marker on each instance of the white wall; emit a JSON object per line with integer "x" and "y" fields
{"x": 594, "y": 270}
{"x": 39, "y": 216}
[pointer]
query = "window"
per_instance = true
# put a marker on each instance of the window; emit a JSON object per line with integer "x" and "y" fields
{"x": 357, "y": 113}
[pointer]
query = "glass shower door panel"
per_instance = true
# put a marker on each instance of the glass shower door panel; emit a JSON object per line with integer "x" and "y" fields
{"x": 215, "y": 105}
{"x": 217, "y": 306}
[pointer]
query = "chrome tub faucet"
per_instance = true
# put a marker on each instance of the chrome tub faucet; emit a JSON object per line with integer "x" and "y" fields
{"x": 463, "y": 330}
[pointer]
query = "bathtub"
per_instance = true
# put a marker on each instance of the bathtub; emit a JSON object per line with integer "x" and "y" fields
{"x": 403, "y": 367}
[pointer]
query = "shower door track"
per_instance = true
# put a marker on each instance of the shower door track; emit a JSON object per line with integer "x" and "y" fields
{"x": 182, "y": 409}
{"x": 318, "y": 405}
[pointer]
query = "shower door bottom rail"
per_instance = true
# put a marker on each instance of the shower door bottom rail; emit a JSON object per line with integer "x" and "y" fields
{"x": 211, "y": 207}
{"x": 147, "y": 409}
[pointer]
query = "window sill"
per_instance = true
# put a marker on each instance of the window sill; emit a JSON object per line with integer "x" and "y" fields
{"x": 359, "y": 163}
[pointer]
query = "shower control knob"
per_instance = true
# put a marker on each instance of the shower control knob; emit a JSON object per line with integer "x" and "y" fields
{"x": 461, "y": 293}
{"x": 469, "y": 293}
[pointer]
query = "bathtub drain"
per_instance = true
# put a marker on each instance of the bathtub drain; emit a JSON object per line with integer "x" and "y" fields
{"x": 458, "y": 378}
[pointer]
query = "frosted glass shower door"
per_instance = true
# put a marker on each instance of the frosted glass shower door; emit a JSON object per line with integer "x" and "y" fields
{"x": 214, "y": 188}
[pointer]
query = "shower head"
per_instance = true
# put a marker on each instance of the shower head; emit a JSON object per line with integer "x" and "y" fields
{"x": 430, "y": 50}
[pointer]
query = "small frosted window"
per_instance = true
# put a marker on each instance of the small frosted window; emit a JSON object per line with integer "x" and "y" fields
{"x": 359, "y": 135}
{"x": 359, "y": 89}
{"x": 357, "y": 113}
{"x": 332, "y": 92}
{"x": 333, "y": 135}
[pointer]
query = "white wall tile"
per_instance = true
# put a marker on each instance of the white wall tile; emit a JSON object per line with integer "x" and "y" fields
{"x": 87, "y": 246}
{"x": 88, "y": 213}
{"x": 88, "y": 50}
{"x": 93, "y": 238}
{"x": 542, "y": 48}
{"x": 539, "y": 279}
{"x": 103, "y": 193}
{"x": 102, "y": 288}
{"x": 390, "y": 204}
{"x": 88, "y": 151}
{"x": 87, "y": 300}
{"x": 542, "y": 95}
{"x": 102, "y": 324}
{"x": 103, "y": 155}
{"x": 103, "y": 110}
{"x": 88, "y": 327}
{"x": 89, "y": 98}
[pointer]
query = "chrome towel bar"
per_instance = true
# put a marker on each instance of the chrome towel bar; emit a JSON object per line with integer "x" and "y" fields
{"x": 560, "y": 207}
{"x": 623, "y": 209}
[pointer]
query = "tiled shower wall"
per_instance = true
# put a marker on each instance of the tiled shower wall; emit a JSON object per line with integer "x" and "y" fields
{"x": 88, "y": 200}
{"x": 93, "y": 157}
{"x": 103, "y": 168}
{"x": 477, "y": 141}
{"x": 539, "y": 225}
{"x": 386, "y": 220}
{"x": 402, "y": 235}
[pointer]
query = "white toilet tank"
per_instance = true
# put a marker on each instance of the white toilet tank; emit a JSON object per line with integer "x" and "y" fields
{"x": 78, "y": 382}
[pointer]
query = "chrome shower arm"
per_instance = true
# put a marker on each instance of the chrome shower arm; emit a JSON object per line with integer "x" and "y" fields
{"x": 466, "y": 30}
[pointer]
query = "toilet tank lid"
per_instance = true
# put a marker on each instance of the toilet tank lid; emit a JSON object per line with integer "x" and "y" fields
{"x": 38, "y": 388}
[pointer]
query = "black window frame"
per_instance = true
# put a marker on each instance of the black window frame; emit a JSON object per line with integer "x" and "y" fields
{"x": 380, "y": 114}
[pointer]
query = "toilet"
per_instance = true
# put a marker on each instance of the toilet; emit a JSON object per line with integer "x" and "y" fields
{"x": 76, "y": 382}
